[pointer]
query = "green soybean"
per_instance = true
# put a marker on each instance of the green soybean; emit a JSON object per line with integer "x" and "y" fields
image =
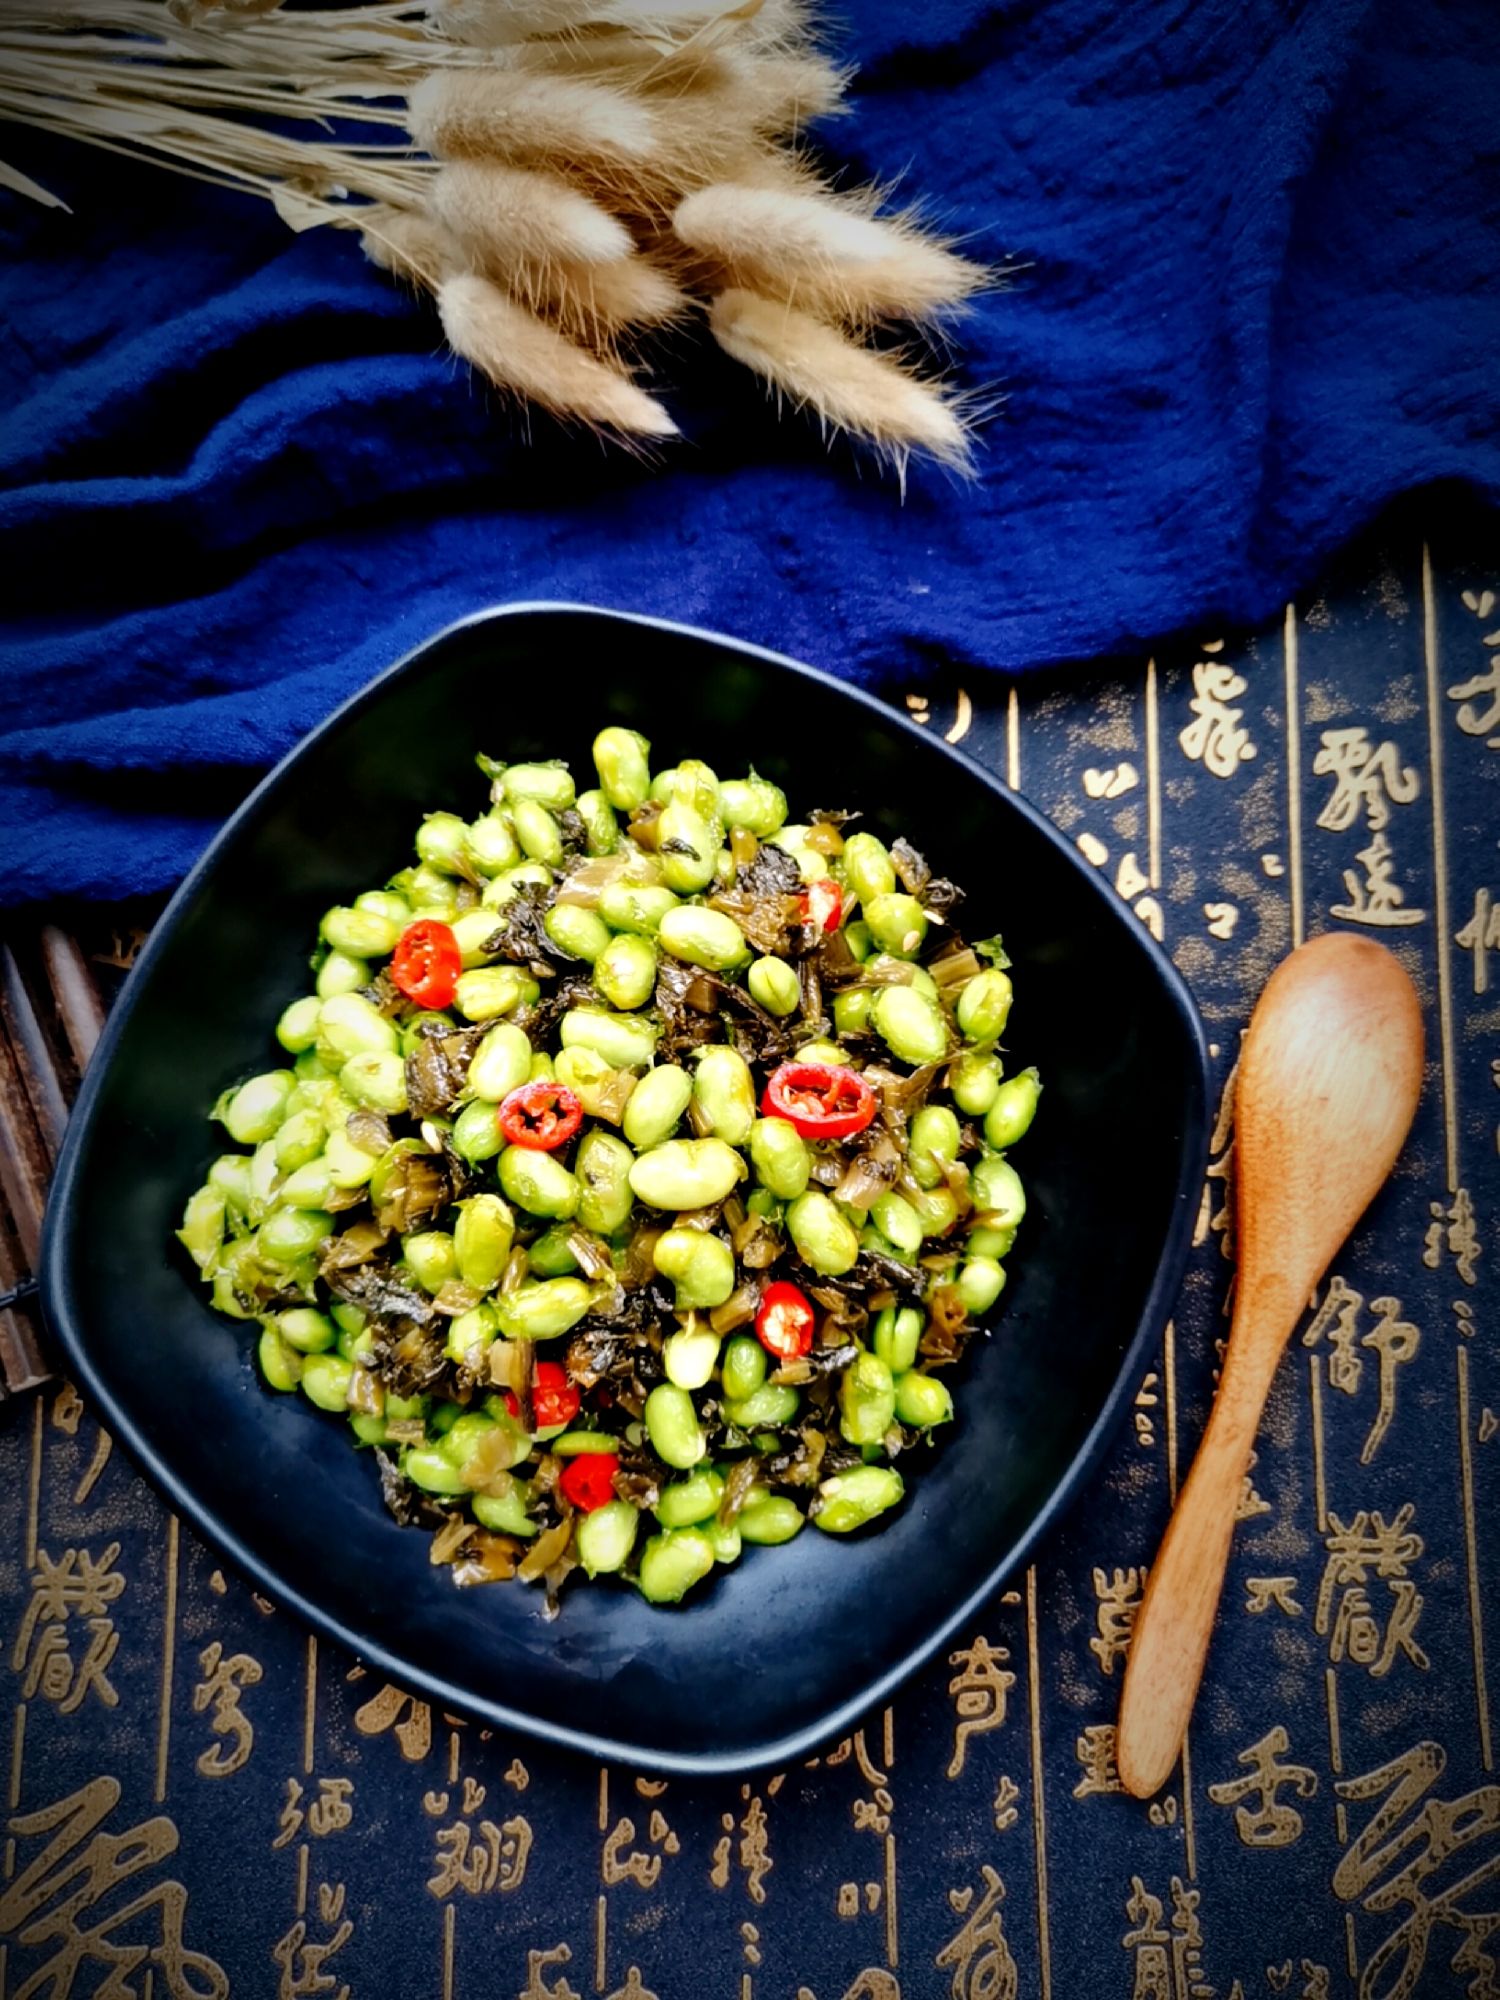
{"x": 476, "y": 1132}
{"x": 280, "y": 1363}
{"x": 688, "y": 1501}
{"x": 507, "y": 885}
{"x": 937, "y": 1209}
{"x": 933, "y": 1140}
{"x": 672, "y": 1562}
{"x": 299, "y": 1139}
{"x": 851, "y": 1499}
{"x": 298, "y": 1027}
{"x": 359, "y": 933}
{"x": 230, "y": 1176}
{"x": 867, "y": 1400}
{"x": 490, "y": 845}
{"x": 442, "y": 842}
{"x": 475, "y": 1328}
{"x": 578, "y": 1444}
{"x": 310, "y": 1186}
{"x": 868, "y": 868}
{"x": 898, "y": 1221}
{"x": 768, "y": 1519}
{"x": 538, "y": 833}
{"x": 505, "y": 1513}
{"x": 725, "y": 1092}
{"x": 851, "y": 1010}
{"x": 622, "y": 759}
{"x": 997, "y": 1192}
{"x": 376, "y": 1080}
{"x": 625, "y": 1041}
{"x": 701, "y": 936}
{"x": 744, "y": 1367}
{"x": 542, "y": 1311}
{"x": 551, "y": 1256}
{"x": 911, "y": 1026}
{"x": 656, "y": 1105}
{"x": 601, "y": 828}
{"x": 591, "y": 1081}
{"x": 775, "y": 986}
{"x": 984, "y": 1005}
{"x": 482, "y": 1237}
{"x": 492, "y": 990}
{"x": 686, "y": 1174}
{"x": 605, "y": 1537}
{"x": 472, "y": 932}
{"x": 975, "y": 1081}
{"x": 922, "y": 1401}
{"x": 699, "y": 1265}
{"x": 636, "y": 906}
{"x": 429, "y": 1254}
{"x": 428, "y": 1468}
{"x": 340, "y": 974}
{"x": 1010, "y": 1116}
{"x": 781, "y": 1157}
{"x": 687, "y": 842}
{"x": 539, "y": 1183}
{"x": 824, "y": 1238}
{"x": 549, "y": 783}
{"x": 672, "y": 1426}
{"x": 979, "y": 1284}
{"x": 898, "y": 1330}
{"x": 580, "y": 933}
{"x": 348, "y": 1025}
{"x": 691, "y": 1354}
{"x": 252, "y": 1113}
{"x": 857, "y": 937}
{"x": 501, "y": 1063}
{"x": 289, "y": 1234}
{"x": 625, "y": 971}
{"x": 202, "y": 1230}
{"x": 753, "y": 803}
{"x": 602, "y": 1169}
{"x": 765, "y": 1408}
{"x": 898, "y": 924}
{"x": 326, "y": 1379}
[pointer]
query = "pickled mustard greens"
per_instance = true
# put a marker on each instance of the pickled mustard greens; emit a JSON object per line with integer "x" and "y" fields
{"x": 637, "y": 1163}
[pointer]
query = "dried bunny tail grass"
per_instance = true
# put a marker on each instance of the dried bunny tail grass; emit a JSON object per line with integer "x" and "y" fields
{"x": 502, "y": 115}
{"x": 597, "y": 303}
{"x": 520, "y": 353}
{"x": 852, "y": 389}
{"x": 507, "y": 215}
{"x": 503, "y": 23}
{"x": 822, "y": 252}
{"x": 410, "y": 245}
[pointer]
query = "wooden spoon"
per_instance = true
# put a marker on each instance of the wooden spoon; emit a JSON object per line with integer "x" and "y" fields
{"x": 1328, "y": 1084}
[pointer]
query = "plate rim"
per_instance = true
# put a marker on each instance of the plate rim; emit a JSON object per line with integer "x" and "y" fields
{"x": 58, "y": 1232}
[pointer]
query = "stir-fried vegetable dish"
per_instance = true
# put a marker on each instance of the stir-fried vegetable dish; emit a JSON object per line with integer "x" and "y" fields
{"x": 640, "y": 1165}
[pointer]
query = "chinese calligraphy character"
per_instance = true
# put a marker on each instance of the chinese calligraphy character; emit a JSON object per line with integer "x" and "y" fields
{"x": 75, "y": 1880}
{"x": 496, "y": 1860}
{"x": 330, "y": 1811}
{"x": 1187, "y": 1943}
{"x": 75, "y": 1584}
{"x": 291, "y": 1818}
{"x": 411, "y": 1719}
{"x": 979, "y": 1689}
{"x": 983, "y": 1968}
{"x": 222, "y": 1684}
{"x": 1095, "y": 1751}
{"x": 539, "y": 1962}
{"x": 1471, "y": 718}
{"x": 1364, "y": 780}
{"x": 1455, "y": 1229}
{"x": 755, "y": 1850}
{"x": 1395, "y": 1342}
{"x": 1337, "y": 1318}
{"x": 633, "y": 1989}
{"x": 1379, "y": 900}
{"x": 1150, "y": 1943}
{"x": 1271, "y": 1823}
{"x": 1370, "y": 1546}
{"x": 1119, "y": 1598}
{"x": 1481, "y": 935}
{"x": 1216, "y": 739}
{"x": 1003, "y": 1806}
{"x": 1268, "y": 1590}
{"x": 642, "y": 1869}
{"x": 301, "y": 1963}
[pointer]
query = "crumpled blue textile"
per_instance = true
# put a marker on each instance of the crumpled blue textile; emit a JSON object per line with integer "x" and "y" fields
{"x": 1255, "y": 292}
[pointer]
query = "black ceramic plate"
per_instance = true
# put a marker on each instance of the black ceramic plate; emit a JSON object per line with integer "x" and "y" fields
{"x": 788, "y": 1647}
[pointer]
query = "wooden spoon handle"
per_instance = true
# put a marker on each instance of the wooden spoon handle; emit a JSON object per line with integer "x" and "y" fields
{"x": 1170, "y": 1641}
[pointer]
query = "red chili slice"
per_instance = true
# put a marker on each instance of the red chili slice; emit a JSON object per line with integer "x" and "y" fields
{"x": 823, "y": 904}
{"x": 589, "y": 1480}
{"x": 540, "y": 1116}
{"x": 823, "y": 1100}
{"x": 426, "y": 963}
{"x": 554, "y": 1400}
{"x": 785, "y": 1321}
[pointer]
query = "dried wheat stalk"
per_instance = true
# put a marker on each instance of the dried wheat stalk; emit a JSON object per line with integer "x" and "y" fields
{"x": 562, "y": 176}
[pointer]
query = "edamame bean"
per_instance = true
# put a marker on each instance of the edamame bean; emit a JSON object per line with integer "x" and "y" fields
{"x": 430, "y": 1257}
{"x": 725, "y": 1538}
{"x": 575, "y": 1444}
{"x": 442, "y": 842}
{"x": 974, "y": 1081}
{"x": 490, "y": 845}
{"x": 288, "y": 1234}
{"x": 781, "y": 1157}
{"x": 492, "y": 990}
{"x": 605, "y": 1537}
{"x": 625, "y": 971}
{"x": 262, "y": 1177}
{"x": 202, "y": 1230}
{"x": 911, "y": 1026}
{"x": 298, "y": 1027}
{"x": 621, "y": 757}
{"x": 933, "y": 1140}
{"x": 898, "y": 1330}
{"x": 348, "y": 1025}
{"x": 725, "y": 1091}
{"x": 376, "y": 1080}
{"x": 898, "y": 1221}
{"x": 857, "y": 937}
{"x": 937, "y": 1209}
{"x": 691, "y": 1354}
{"x": 922, "y": 1401}
{"x": 580, "y": 933}
{"x": 340, "y": 974}
{"x": 688, "y": 843}
{"x": 1014, "y": 1108}
{"x": 688, "y": 1501}
{"x": 775, "y": 986}
{"x": 465, "y": 1435}
{"x": 482, "y": 1238}
{"x": 252, "y": 1113}
{"x": 636, "y": 906}
{"x": 984, "y": 1005}
{"x": 851, "y": 1010}
{"x": 699, "y": 1265}
{"x": 601, "y": 828}
{"x": 823, "y": 1052}
{"x": 507, "y": 885}
{"x": 672, "y": 1562}
{"x": 868, "y": 868}
{"x": 686, "y": 1174}
{"x": 359, "y": 933}
{"x": 768, "y": 1519}
{"x": 744, "y": 1369}
{"x": 672, "y": 1426}
{"x": 430, "y": 891}
{"x": 505, "y": 1513}
{"x": 310, "y": 1186}
{"x": 849, "y": 1499}
{"x": 386, "y": 903}
{"x": 476, "y": 1132}
{"x": 472, "y": 932}
{"x": 299, "y": 1140}
{"x": 979, "y": 1283}
{"x": 474, "y": 1329}
{"x": 549, "y": 782}
{"x": 326, "y": 1379}
{"x": 765, "y": 1408}
{"x": 705, "y": 937}
{"x": 427, "y": 1467}
{"x": 551, "y": 1256}
{"x": 501, "y": 1063}
{"x": 753, "y": 803}
{"x": 824, "y": 1238}
{"x": 898, "y": 924}
{"x": 230, "y": 1176}
{"x": 591, "y": 1081}
{"x": 997, "y": 1191}
{"x": 602, "y": 1169}
{"x": 867, "y": 1400}
{"x": 538, "y": 833}
{"x": 626, "y": 1041}
{"x": 542, "y": 1311}
{"x": 539, "y": 1183}
{"x": 280, "y": 1364}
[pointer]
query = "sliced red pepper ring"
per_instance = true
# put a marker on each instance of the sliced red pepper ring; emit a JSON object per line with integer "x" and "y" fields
{"x": 785, "y": 1321}
{"x": 823, "y": 904}
{"x": 540, "y": 1116}
{"x": 822, "y": 1100}
{"x": 426, "y": 963}
{"x": 554, "y": 1399}
{"x": 588, "y": 1481}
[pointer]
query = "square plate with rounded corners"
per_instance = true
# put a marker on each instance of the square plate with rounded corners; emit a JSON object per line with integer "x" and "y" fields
{"x": 826, "y": 1627}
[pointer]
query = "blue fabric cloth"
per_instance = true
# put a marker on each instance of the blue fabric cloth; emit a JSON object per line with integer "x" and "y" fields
{"x": 1256, "y": 292}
